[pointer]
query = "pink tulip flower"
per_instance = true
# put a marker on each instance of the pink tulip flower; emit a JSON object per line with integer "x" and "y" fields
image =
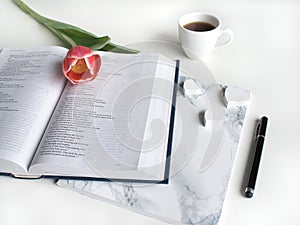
{"x": 81, "y": 65}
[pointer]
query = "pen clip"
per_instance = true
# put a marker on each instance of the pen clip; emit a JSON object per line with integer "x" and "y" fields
{"x": 257, "y": 129}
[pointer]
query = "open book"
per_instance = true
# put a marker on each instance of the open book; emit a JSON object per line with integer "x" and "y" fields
{"x": 118, "y": 126}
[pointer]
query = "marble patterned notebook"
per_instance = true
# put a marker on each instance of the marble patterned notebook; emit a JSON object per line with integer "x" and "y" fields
{"x": 206, "y": 140}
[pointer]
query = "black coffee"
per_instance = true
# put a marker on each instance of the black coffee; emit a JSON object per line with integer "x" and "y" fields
{"x": 199, "y": 26}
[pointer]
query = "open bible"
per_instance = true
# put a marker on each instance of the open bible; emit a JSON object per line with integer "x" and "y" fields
{"x": 118, "y": 126}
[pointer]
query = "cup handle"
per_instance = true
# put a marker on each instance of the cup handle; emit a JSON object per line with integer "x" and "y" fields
{"x": 225, "y": 38}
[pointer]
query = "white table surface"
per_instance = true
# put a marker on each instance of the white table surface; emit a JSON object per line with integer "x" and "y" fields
{"x": 264, "y": 58}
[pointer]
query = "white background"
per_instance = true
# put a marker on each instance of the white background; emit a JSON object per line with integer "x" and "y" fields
{"x": 264, "y": 58}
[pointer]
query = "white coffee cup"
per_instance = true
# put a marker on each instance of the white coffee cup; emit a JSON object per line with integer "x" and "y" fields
{"x": 199, "y": 44}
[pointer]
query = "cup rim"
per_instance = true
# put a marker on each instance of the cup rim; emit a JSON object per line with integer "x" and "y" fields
{"x": 198, "y": 13}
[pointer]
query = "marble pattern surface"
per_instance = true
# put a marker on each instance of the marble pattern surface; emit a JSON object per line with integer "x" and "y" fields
{"x": 200, "y": 168}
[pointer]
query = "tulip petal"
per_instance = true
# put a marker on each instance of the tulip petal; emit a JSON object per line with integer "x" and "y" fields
{"x": 97, "y": 65}
{"x": 77, "y": 78}
{"x": 68, "y": 63}
{"x": 73, "y": 77}
{"x": 79, "y": 52}
{"x": 93, "y": 62}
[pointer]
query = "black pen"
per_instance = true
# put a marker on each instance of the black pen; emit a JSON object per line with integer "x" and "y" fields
{"x": 259, "y": 143}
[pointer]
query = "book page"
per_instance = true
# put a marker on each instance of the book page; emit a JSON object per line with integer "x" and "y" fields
{"x": 101, "y": 125}
{"x": 31, "y": 83}
{"x": 151, "y": 161}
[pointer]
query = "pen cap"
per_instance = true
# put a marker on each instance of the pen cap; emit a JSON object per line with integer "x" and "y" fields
{"x": 262, "y": 126}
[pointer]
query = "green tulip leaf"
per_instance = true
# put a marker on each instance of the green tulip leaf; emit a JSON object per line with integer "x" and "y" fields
{"x": 72, "y": 35}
